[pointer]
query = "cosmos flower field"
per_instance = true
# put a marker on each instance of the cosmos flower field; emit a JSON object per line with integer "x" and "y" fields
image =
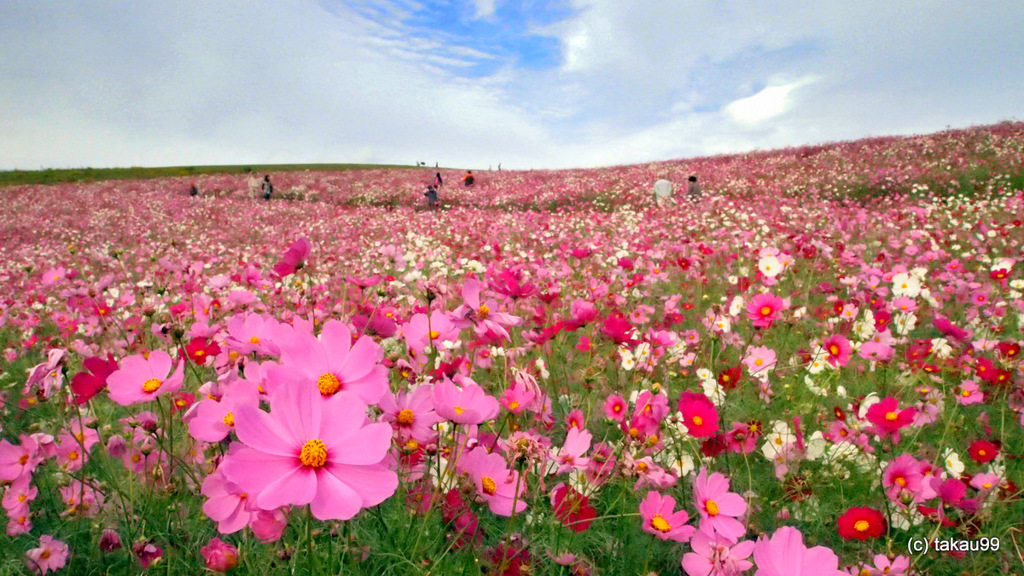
{"x": 816, "y": 369}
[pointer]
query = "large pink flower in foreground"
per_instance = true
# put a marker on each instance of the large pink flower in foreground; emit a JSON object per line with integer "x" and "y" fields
{"x": 332, "y": 363}
{"x": 311, "y": 450}
{"x": 143, "y": 378}
{"x": 785, "y": 555}
{"x": 466, "y": 405}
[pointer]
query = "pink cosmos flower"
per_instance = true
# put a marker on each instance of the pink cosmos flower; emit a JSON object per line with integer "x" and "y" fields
{"x": 884, "y": 567}
{"x": 51, "y": 555}
{"x": 968, "y": 392}
{"x": 142, "y": 379}
{"x": 309, "y": 450}
{"x": 19, "y": 460}
{"x": 718, "y": 508}
{"x": 875, "y": 351}
{"x": 699, "y": 414}
{"x": 412, "y": 415}
{"x": 570, "y": 457}
{"x": 615, "y": 408}
{"x": 213, "y": 420}
{"x": 219, "y": 556}
{"x": 248, "y": 333}
{"x": 293, "y": 258}
{"x": 763, "y": 309}
{"x": 838, "y": 350}
{"x": 484, "y": 317}
{"x": 332, "y": 363}
{"x": 421, "y": 332}
{"x": 227, "y": 504}
{"x": 716, "y": 555}
{"x": 494, "y": 482}
{"x": 785, "y": 555}
{"x": 466, "y": 405}
{"x": 760, "y": 360}
{"x": 661, "y": 519}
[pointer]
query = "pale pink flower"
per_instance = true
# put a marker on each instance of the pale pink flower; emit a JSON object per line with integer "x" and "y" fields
{"x": 784, "y": 554}
{"x": 142, "y": 378}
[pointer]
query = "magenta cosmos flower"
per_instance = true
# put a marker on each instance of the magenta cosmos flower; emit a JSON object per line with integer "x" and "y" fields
{"x": 699, "y": 414}
{"x": 332, "y": 363}
{"x": 718, "y": 507}
{"x": 495, "y": 482}
{"x": 143, "y": 378}
{"x": 764, "y": 309}
{"x": 661, "y": 519}
{"x": 785, "y": 554}
{"x": 888, "y": 418}
{"x": 311, "y": 450}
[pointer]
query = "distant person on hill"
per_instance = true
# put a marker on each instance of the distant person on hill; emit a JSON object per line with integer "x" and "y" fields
{"x": 693, "y": 189}
{"x": 268, "y": 188}
{"x": 662, "y": 191}
{"x": 437, "y": 180}
{"x": 193, "y": 191}
{"x": 253, "y": 181}
{"x": 468, "y": 180}
{"x": 431, "y": 194}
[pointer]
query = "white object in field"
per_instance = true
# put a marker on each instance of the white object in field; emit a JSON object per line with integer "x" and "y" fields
{"x": 662, "y": 189}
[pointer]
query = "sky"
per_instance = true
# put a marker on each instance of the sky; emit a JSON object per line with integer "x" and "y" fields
{"x": 529, "y": 84}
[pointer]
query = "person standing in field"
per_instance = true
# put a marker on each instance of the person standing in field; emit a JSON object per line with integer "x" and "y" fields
{"x": 268, "y": 188}
{"x": 662, "y": 191}
{"x": 693, "y": 189}
{"x": 437, "y": 180}
{"x": 193, "y": 191}
{"x": 468, "y": 179}
{"x": 431, "y": 194}
{"x": 254, "y": 185}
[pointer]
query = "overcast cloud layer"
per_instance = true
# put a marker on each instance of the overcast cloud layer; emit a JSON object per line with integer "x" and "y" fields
{"x": 471, "y": 83}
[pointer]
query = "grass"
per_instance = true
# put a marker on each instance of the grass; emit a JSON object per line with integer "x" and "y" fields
{"x": 63, "y": 175}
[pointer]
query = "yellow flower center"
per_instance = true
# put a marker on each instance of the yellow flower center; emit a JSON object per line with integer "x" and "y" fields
{"x": 151, "y": 385}
{"x": 73, "y": 455}
{"x": 328, "y": 384}
{"x": 45, "y": 554}
{"x": 981, "y": 452}
{"x": 314, "y": 454}
{"x": 254, "y": 340}
{"x": 412, "y": 445}
{"x": 513, "y": 405}
{"x": 22, "y": 497}
{"x": 80, "y": 436}
{"x": 229, "y": 419}
{"x": 901, "y": 481}
{"x": 484, "y": 311}
{"x": 766, "y": 311}
{"x": 698, "y": 420}
{"x": 711, "y": 507}
{"x": 834, "y": 350}
{"x": 758, "y": 362}
{"x": 489, "y": 485}
{"x": 891, "y": 416}
{"x": 861, "y": 525}
{"x": 458, "y": 410}
{"x": 405, "y": 417}
{"x": 199, "y": 353}
{"x": 965, "y": 393}
{"x": 434, "y": 334}
{"x": 659, "y": 524}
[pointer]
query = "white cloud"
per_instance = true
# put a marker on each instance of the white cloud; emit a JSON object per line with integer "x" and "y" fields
{"x": 765, "y": 105}
{"x": 484, "y": 9}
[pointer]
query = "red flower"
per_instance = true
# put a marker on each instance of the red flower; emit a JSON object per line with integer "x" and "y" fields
{"x": 983, "y": 451}
{"x": 85, "y": 385}
{"x": 572, "y": 508}
{"x": 198, "y": 350}
{"x": 861, "y": 523}
{"x": 730, "y": 377}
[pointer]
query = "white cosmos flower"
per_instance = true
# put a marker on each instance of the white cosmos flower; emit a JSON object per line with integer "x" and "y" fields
{"x": 769, "y": 266}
